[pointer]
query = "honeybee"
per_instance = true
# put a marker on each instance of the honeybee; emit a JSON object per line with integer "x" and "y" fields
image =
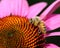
{"x": 37, "y": 22}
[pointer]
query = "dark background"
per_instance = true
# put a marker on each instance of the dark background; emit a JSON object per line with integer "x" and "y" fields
{"x": 55, "y": 39}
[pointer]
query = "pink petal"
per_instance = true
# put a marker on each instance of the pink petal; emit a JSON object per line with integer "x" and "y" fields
{"x": 53, "y": 34}
{"x": 50, "y": 9}
{"x": 5, "y": 8}
{"x": 20, "y": 7}
{"x": 58, "y": 0}
{"x": 53, "y": 22}
{"x": 52, "y": 46}
{"x": 25, "y": 8}
{"x": 36, "y": 8}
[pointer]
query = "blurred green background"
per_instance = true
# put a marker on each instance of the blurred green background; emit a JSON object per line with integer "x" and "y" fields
{"x": 55, "y": 39}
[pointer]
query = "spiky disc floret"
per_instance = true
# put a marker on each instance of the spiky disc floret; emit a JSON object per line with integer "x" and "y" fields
{"x": 18, "y": 32}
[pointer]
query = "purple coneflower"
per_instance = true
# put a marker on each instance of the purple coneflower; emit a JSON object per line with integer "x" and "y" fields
{"x": 21, "y": 9}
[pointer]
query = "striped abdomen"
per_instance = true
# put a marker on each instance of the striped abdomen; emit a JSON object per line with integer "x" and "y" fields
{"x": 18, "y": 32}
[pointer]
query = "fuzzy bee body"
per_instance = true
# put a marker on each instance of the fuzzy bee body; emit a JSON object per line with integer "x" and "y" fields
{"x": 37, "y": 22}
{"x": 18, "y": 32}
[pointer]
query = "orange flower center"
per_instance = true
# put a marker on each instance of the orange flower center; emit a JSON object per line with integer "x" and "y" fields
{"x": 18, "y": 32}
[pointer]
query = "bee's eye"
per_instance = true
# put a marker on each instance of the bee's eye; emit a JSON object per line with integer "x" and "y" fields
{"x": 30, "y": 20}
